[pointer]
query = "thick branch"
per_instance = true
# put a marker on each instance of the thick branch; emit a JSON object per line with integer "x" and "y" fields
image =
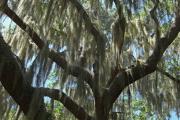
{"x": 74, "y": 108}
{"x": 76, "y": 71}
{"x": 11, "y": 77}
{"x": 126, "y": 77}
{"x": 168, "y": 75}
{"x": 53, "y": 55}
{"x": 36, "y": 39}
{"x": 99, "y": 37}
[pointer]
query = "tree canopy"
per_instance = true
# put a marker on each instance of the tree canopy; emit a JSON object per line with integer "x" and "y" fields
{"x": 95, "y": 57}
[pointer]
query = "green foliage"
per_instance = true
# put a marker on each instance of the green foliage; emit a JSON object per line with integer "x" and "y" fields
{"x": 57, "y": 111}
{"x": 141, "y": 110}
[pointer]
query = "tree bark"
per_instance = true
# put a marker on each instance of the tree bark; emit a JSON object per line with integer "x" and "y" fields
{"x": 53, "y": 55}
{"x": 31, "y": 99}
{"x": 128, "y": 76}
{"x": 28, "y": 98}
{"x": 12, "y": 79}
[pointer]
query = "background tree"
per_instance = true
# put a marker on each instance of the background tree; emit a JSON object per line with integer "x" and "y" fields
{"x": 96, "y": 49}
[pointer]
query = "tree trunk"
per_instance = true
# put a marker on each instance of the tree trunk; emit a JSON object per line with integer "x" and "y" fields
{"x": 101, "y": 109}
{"x": 102, "y": 113}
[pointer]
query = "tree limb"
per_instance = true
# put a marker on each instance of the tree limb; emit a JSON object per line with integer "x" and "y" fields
{"x": 168, "y": 75}
{"x": 100, "y": 40}
{"x": 154, "y": 17}
{"x": 58, "y": 95}
{"x": 128, "y": 76}
{"x": 11, "y": 77}
{"x": 53, "y": 55}
{"x": 119, "y": 27}
{"x": 99, "y": 37}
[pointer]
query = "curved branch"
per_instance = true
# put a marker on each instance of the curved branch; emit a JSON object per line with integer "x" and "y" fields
{"x": 129, "y": 76}
{"x": 29, "y": 98}
{"x": 99, "y": 37}
{"x": 168, "y": 75}
{"x": 53, "y": 55}
{"x": 73, "y": 107}
{"x": 12, "y": 79}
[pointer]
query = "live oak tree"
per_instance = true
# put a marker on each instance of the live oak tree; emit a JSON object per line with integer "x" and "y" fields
{"x": 101, "y": 47}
